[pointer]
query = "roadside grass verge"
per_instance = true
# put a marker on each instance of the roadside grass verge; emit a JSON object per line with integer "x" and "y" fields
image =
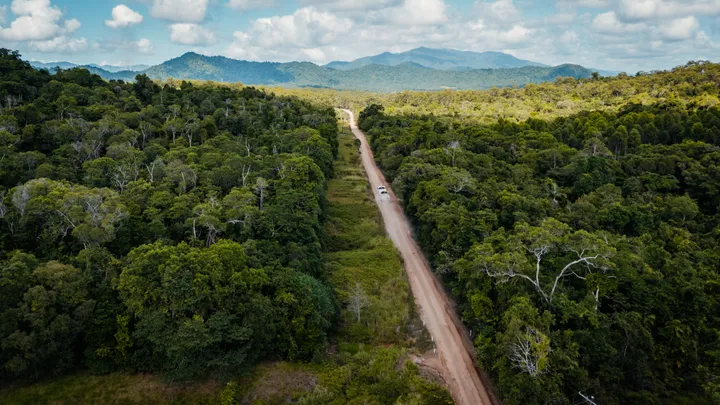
{"x": 111, "y": 389}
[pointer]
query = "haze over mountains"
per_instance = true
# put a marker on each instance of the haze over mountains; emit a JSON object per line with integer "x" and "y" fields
{"x": 70, "y": 65}
{"x": 442, "y": 59}
{"x": 417, "y": 69}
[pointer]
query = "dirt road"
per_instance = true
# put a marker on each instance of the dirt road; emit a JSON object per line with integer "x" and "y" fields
{"x": 452, "y": 345}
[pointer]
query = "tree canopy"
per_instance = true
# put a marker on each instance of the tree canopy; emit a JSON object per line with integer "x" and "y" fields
{"x": 582, "y": 250}
{"x": 174, "y": 228}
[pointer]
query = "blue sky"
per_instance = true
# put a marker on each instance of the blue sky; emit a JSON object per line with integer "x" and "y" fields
{"x": 624, "y": 35}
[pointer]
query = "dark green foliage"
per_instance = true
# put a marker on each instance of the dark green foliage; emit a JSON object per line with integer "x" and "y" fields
{"x": 173, "y": 228}
{"x": 582, "y": 250}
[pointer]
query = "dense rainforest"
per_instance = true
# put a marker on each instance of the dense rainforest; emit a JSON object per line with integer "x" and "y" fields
{"x": 159, "y": 240}
{"x": 582, "y": 250}
{"x": 164, "y": 229}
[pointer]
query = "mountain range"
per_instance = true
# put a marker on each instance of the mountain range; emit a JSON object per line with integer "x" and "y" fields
{"x": 442, "y": 59}
{"x": 69, "y": 65}
{"x": 418, "y": 69}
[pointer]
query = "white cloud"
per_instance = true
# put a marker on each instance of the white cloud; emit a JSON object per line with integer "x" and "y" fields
{"x": 560, "y": 19}
{"x": 300, "y": 35}
{"x": 315, "y": 54}
{"x": 498, "y": 12}
{"x": 191, "y": 34}
{"x": 640, "y": 10}
{"x": 306, "y": 28}
{"x": 608, "y": 23}
{"x": 245, "y": 5}
{"x": 585, "y": 3}
{"x": 180, "y": 10}
{"x": 325, "y": 30}
{"x": 3, "y": 13}
{"x": 61, "y": 44}
{"x": 40, "y": 22}
{"x": 417, "y": 12}
{"x": 72, "y": 25}
{"x": 680, "y": 29}
{"x": 145, "y": 46}
{"x": 36, "y": 20}
{"x": 351, "y": 5}
{"x": 123, "y": 16}
{"x": 492, "y": 38}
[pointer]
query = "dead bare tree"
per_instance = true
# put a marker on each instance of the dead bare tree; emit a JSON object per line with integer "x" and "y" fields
{"x": 260, "y": 185}
{"x": 527, "y": 354}
{"x": 3, "y": 207}
{"x": 146, "y": 131}
{"x": 452, "y": 149}
{"x": 357, "y": 300}
{"x": 121, "y": 177}
{"x": 20, "y": 199}
{"x": 245, "y": 173}
{"x": 153, "y": 168}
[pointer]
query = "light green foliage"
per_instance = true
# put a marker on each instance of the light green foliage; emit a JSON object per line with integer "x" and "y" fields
{"x": 361, "y": 256}
{"x": 227, "y": 396}
{"x": 693, "y": 84}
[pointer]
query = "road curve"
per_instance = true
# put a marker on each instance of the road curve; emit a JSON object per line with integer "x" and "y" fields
{"x": 452, "y": 345}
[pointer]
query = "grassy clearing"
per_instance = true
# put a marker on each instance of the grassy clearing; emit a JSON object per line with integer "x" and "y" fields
{"x": 371, "y": 361}
{"x": 361, "y": 254}
{"x": 116, "y": 388}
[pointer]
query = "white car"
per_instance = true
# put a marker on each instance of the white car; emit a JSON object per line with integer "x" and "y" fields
{"x": 381, "y": 188}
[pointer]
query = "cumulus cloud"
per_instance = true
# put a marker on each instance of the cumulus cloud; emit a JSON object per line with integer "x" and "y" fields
{"x": 191, "y": 34}
{"x": 123, "y": 16}
{"x": 594, "y": 33}
{"x": 416, "y": 12}
{"x": 300, "y": 35}
{"x": 640, "y": 10}
{"x": 608, "y": 23}
{"x": 584, "y": 3}
{"x": 71, "y": 25}
{"x": 36, "y": 20}
{"x": 191, "y": 11}
{"x": 680, "y": 29}
{"x": 144, "y": 46}
{"x": 306, "y": 28}
{"x": 245, "y": 5}
{"x": 351, "y": 5}
{"x": 61, "y": 44}
{"x": 321, "y": 35}
{"x": 498, "y": 12}
{"x": 39, "y": 24}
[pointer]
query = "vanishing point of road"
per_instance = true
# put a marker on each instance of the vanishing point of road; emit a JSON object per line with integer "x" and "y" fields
{"x": 451, "y": 342}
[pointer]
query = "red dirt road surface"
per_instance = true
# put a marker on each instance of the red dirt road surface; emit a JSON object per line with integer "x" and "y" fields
{"x": 437, "y": 312}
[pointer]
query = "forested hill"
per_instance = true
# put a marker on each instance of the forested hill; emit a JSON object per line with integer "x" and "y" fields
{"x": 159, "y": 229}
{"x": 407, "y": 76}
{"x": 443, "y": 59}
{"x": 582, "y": 250}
